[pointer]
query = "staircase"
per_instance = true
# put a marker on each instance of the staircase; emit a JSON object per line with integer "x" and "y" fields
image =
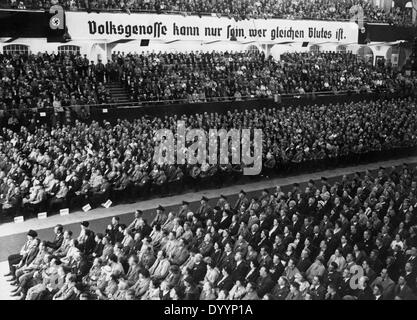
{"x": 118, "y": 92}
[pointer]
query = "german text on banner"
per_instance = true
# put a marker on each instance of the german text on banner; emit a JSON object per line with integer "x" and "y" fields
{"x": 116, "y": 26}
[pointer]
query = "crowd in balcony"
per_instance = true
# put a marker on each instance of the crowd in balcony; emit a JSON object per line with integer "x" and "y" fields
{"x": 355, "y": 238}
{"x": 58, "y": 80}
{"x": 207, "y": 76}
{"x": 238, "y": 9}
{"x": 50, "y": 81}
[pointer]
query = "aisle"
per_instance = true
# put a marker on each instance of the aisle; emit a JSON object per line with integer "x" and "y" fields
{"x": 5, "y": 288}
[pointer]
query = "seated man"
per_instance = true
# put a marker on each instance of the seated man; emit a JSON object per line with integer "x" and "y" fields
{"x": 59, "y": 200}
{"x": 121, "y": 188}
{"x": 65, "y": 245}
{"x": 51, "y": 280}
{"x": 101, "y": 194}
{"x": 34, "y": 205}
{"x": 12, "y": 204}
{"x": 79, "y": 197}
{"x": 15, "y": 259}
{"x": 68, "y": 290}
{"x": 34, "y": 265}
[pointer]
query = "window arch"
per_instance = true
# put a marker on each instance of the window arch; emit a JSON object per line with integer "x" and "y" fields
{"x": 16, "y": 49}
{"x": 315, "y": 48}
{"x": 252, "y": 49}
{"x": 366, "y": 54}
{"x": 69, "y": 49}
{"x": 341, "y": 48}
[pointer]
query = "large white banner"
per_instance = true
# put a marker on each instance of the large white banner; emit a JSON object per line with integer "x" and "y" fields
{"x": 116, "y": 26}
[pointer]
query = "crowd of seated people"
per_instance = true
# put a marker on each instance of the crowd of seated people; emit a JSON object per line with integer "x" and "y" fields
{"x": 50, "y": 80}
{"x": 353, "y": 239}
{"x": 51, "y": 167}
{"x": 200, "y": 77}
{"x": 238, "y": 9}
{"x": 59, "y": 80}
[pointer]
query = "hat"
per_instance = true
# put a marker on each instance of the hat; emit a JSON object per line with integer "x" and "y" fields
{"x": 161, "y": 208}
{"x": 32, "y": 233}
{"x": 311, "y": 181}
{"x": 186, "y": 203}
{"x": 85, "y": 224}
{"x": 242, "y": 191}
{"x": 139, "y": 211}
{"x": 223, "y": 197}
{"x": 203, "y": 198}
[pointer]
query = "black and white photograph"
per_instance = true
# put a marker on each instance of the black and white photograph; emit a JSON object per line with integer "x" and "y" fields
{"x": 208, "y": 153}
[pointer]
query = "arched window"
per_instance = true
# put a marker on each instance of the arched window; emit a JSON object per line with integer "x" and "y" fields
{"x": 252, "y": 49}
{"x": 15, "y": 49}
{"x": 341, "y": 49}
{"x": 315, "y": 48}
{"x": 69, "y": 49}
{"x": 365, "y": 53}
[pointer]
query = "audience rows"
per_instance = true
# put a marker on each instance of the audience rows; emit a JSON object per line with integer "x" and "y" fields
{"x": 353, "y": 239}
{"x": 59, "y": 80}
{"x": 50, "y": 167}
{"x": 50, "y": 80}
{"x": 200, "y": 77}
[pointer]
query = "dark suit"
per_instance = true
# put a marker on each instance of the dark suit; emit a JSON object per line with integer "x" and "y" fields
{"x": 225, "y": 284}
{"x": 98, "y": 249}
{"x": 303, "y": 264}
{"x": 318, "y": 293}
{"x": 280, "y": 293}
{"x": 233, "y": 228}
{"x": 225, "y": 223}
{"x": 252, "y": 276}
{"x": 226, "y": 260}
{"x": 198, "y": 272}
{"x": 240, "y": 271}
{"x": 101, "y": 195}
{"x": 405, "y": 293}
{"x": 203, "y": 211}
{"x": 56, "y": 243}
{"x": 276, "y": 271}
{"x": 144, "y": 230}
{"x": 265, "y": 285}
